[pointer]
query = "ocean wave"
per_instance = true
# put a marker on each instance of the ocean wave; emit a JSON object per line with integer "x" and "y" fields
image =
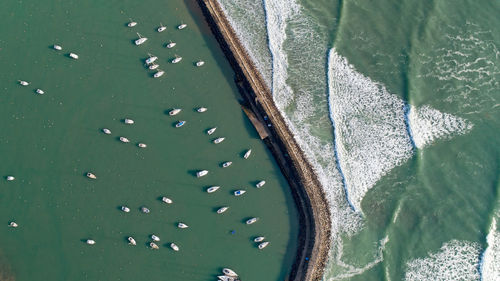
{"x": 490, "y": 266}
{"x": 455, "y": 260}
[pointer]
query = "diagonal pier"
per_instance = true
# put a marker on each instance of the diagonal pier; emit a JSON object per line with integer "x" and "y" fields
{"x": 314, "y": 216}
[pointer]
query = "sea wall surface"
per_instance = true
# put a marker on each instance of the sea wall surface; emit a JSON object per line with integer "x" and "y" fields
{"x": 314, "y": 216}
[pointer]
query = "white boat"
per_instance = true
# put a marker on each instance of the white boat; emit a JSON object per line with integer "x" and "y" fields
{"x": 142, "y": 145}
{"x": 125, "y": 209}
{"x": 73, "y": 56}
{"x": 106, "y": 131}
{"x": 200, "y": 63}
{"x": 211, "y": 130}
{"x": 180, "y": 124}
{"x": 229, "y": 272}
{"x": 226, "y": 164}
{"x": 174, "y": 247}
{"x": 10, "y": 178}
{"x": 247, "y": 154}
{"x": 161, "y": 28}
{"x": 174, "y": 111}
{"x": 252, "y": 220}
{"x": 213, "y": 189}
{"x": 131, "y": 23}
{"x": 145, "y": 210}
{"x": 153, "y": 66}
{"x": 131, "y": 241}
{"x": 171, "y": 45}
{"x": 177, "y": 59}
{"x": 151, "y": 59}
{"x": 239, "y": 192}
{"x": 226, "y": 278}
{"x": 57, "y": 47}
{"x": 182, "y": 225}
{"x": 201, "y": 173}
{"x": 40, "y": 91}
{"x": 13, "y": 224}
{"x": 128, "y": 121}
{"x": 201, "y": 109}
{"x": 263, "y": 245}
{"x": 219, "y": 140}
{"x": 159, "y": 73}
{"x": 154, "y": 246}
{"x": 260, "y": 184}
{"x": 124, "y": 139}
{"x": 90, "y": 242}
{"x": 141, "y": 39}
{"x": 182, "y": 26}
{"x": 259, "y": 239}
{"x": 24, "y": 83}
{"x": 155, "y": 238}
{"x": 91, "y": 176}
{"x": 222, "y": 210}
{"x": 167, "y": 200}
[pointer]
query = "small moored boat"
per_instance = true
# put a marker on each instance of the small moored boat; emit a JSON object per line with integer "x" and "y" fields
{"x": 131, "y": 240}
{"x": 106, "y": 131}
{"x": 174, "y": 247}
{"x": 213, "y": 189}
{"x": 177, "y": 59}
{"x": 153, "y": 66}
{"x": 201, "y": 173}
{"x": 219, "y": 140}
{"x": 201, "y": 109}
{"x": 124, "y": 139}
{"x": 222, "y": 210}
{"x": 252, "y": 220}
{"x": 151, "y": 59}
{"x": 161, "y": 28}
{"x": 154, "y": 246}
{"x": 13, "y": 224}
{"x": 211, "y": 130}
{"x": 260, "y": 184}
{"x": 200, "y": 63}
{"x": 125, "y": 209}
{"x": 155, "y": 238}
{"x": 90, "y": 242}
{"x": 167, "y": 200}
{"x": 24, "y": 83}
{"x": 91, "y": 176}
{"x": 145, "y": 210}
{"x": 182, "y": 225}
{"x": 128, "y": 121}
{"x": 57, "y": 47}
{"x": 142, "y": 145}
{"x": 171, "y": 45}
{"x": 239, "y": 192}
{"x": 227, "y": 278}
{"x": 180, "y": 124}
{"x": 259, "y": 239}
{"x": 141, "y": 39}
{"x": 131, "y": 23}
{"x": 247, "y": 154}
{"x": 229, "y": 272}
{"x": 263, "y": 245}
{"x": 174, "y": 111}
{"x": 10, "y": 178}
{"x": 182, "y": 26}
{"x": 73, "y": 56}
{"x": 226, "y": 164}
{"x": 39, "y": 91}
{"x": 159, "y": 73}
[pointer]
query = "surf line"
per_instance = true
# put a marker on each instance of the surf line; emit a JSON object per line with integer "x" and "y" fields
{"x": 314, "y": 211}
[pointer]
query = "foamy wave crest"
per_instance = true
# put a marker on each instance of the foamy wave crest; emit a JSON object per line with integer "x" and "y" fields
{"x": 456, "y": 260}
{"x": 490, "y": 267}
{"x": 248, "y": 21}
{"x": 428, "y": 124}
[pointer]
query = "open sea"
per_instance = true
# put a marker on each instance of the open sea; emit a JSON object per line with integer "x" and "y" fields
{"x": 49, "y": 142}
{"x": 397, "y": 105}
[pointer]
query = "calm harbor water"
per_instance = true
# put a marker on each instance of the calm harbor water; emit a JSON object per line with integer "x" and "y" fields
{"x": 48, "y": 142}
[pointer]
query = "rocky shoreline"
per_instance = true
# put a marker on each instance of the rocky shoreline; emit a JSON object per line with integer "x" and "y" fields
{"x": 312, "y": 205}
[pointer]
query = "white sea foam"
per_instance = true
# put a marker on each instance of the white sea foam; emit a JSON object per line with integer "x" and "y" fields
{"x": 456, "y": 260}
{"x": 428, "y": 124}
{"x": 490, "y": 267}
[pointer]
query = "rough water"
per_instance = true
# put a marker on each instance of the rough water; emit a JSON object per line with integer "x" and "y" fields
{"x": 396, "y": 104}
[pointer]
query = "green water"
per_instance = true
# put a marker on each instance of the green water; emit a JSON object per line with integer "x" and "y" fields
{"x": 48, "y": 142}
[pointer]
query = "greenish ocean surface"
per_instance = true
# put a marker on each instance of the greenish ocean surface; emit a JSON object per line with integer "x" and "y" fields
{"x": 48, "y": 142}
{"x": 396, "y": 103}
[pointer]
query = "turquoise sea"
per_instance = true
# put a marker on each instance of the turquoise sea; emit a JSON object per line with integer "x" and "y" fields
{"x": 396, "y": 104}
{"x": 49, "y": 142}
